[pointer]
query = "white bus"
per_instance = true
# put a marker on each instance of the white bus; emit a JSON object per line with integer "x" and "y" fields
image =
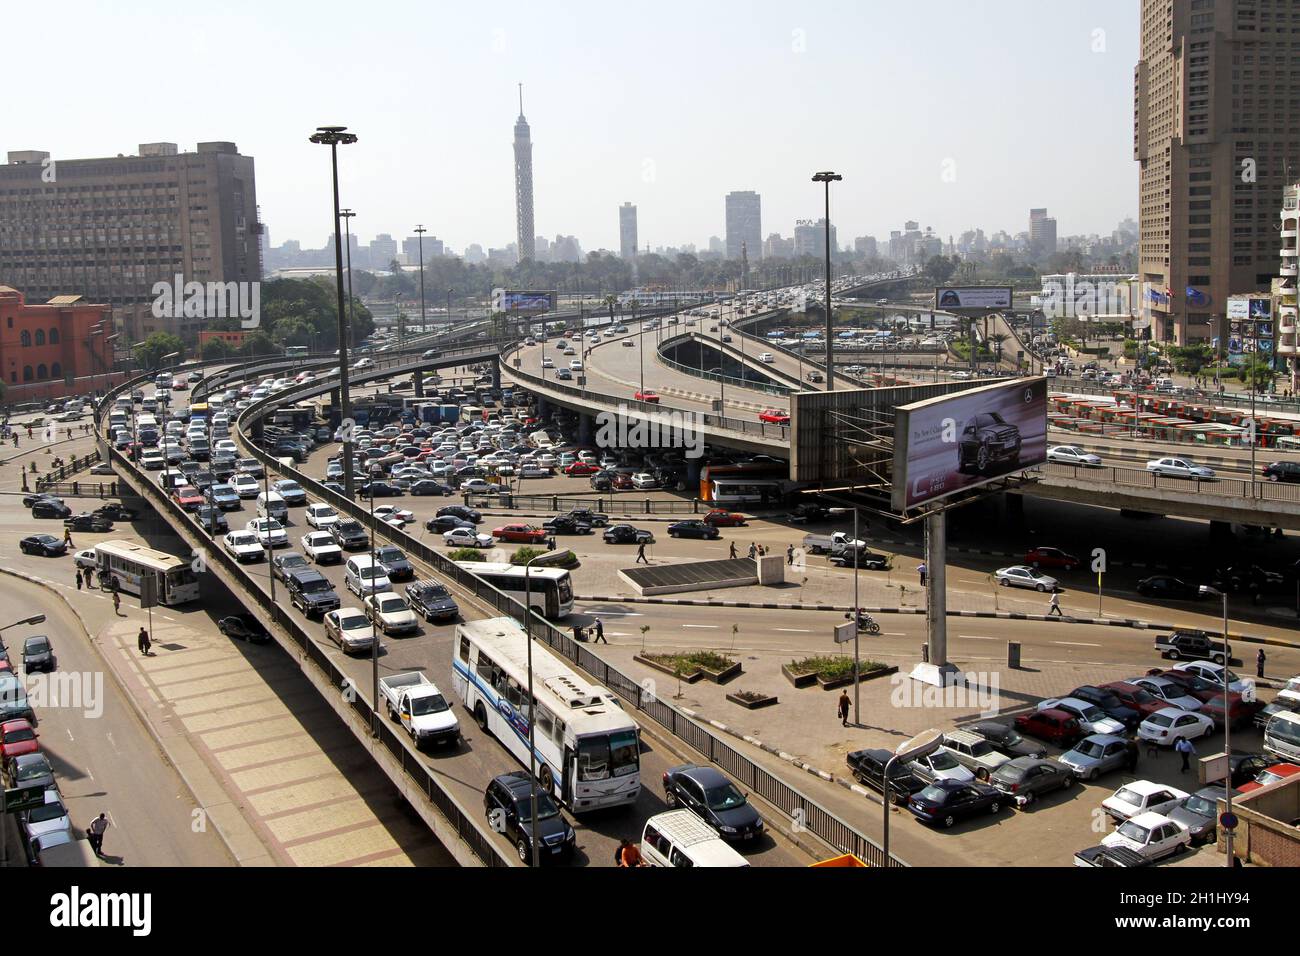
{"x": 550, "y": 589}
{"x": 127, "y": 564}
{"x": 586, "y": 748}
{"x": 296, "y": 351}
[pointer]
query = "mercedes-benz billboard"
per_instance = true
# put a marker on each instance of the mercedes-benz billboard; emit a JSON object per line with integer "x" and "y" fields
{"x": 955, "y": 442}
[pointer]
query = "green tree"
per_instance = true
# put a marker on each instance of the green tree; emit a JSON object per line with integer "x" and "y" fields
{"x": 215, "y": 349}
{"x": 1258, "y": 374}
{"x": 151, "y": 351}
{"x": 258, "y": 343}
{"x": 940, "y": 269}
{"x": 525, "y": 554}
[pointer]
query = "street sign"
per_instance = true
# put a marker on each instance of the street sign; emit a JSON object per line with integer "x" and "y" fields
{"x": 845, "y": 632}
{"x": 148, "y": 592}
{"x": 24, "y": 798}
{"x": 1228, "y": 821}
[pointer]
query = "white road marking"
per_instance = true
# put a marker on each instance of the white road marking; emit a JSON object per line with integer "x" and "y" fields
{"x": 975, "y": 637}
{"x": 702, "y": 626}
{"x": 789, "y": 630}
{"x": 1074, "y": 644}
{"x": 69, "y": 732}
{"x": 620, "y": 614}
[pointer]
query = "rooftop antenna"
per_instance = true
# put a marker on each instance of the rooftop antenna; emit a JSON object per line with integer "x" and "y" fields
{"x": 521, "y": 99}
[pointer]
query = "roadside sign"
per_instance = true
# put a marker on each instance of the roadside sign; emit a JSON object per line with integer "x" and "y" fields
{"x": 845, "y": 632}
{"x": 24, "y": 798}
{"x": 148, "y": 591}
{"x": 1213, "y": 768}
{"x": 1228, "y": 821}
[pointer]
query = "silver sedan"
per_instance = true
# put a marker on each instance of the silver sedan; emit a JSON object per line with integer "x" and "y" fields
{"x": 1019, "y": 576}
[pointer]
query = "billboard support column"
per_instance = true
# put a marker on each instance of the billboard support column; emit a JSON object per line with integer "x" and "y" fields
{"x": 936, "y": 671}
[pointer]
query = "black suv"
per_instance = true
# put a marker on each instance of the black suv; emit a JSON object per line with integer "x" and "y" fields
{"x": 392, "y": 558}
{"x": 311, "y": 592}
{"x": 350, "y": 535}
{"x": 868, "y": 767}
{"x": 986, "y": 440}
{"x": 1251, "y": 578}
{"x": 508, "y": 805}
{"x": 432, "y": 601}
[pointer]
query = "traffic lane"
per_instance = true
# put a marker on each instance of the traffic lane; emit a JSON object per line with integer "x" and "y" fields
{"x": 104, "y": 759}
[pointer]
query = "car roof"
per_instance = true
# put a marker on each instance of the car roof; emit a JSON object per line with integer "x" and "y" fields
{"x": 1149, "y": 819}
{"x": 705, "y": 776}
{"x": 1104, "y": 739}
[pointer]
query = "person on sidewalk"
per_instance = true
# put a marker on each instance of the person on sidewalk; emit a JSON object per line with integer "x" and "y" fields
{"x": 640, "y": 554}
{"x": 600, "y": 632}
{"x": 920, "y": 572}
{"x": 95, "y": 833}
{"x": 789, "y": 555}
{"x": 1054, "y": 605}
{"x": 142, "y": 641}
{"x": 67, "y": 537}
{"x": 1185, "y": 750}
{"x": 843, "y": 708}
{"x": 733, "y": 550}
{"x": 1259, "y": 663}
{"x": 117, "y": 603}
{"x": 753, "y": 551}
{"x": 80, "y": 580}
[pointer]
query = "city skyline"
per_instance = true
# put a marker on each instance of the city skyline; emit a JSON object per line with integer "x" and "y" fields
{"x": 956, "y": 159}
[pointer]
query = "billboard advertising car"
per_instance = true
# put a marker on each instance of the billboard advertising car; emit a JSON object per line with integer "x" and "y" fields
{"x": 972, "y": 298}
{"x": 511, "y": 301}
{"x": 955, "y": 442}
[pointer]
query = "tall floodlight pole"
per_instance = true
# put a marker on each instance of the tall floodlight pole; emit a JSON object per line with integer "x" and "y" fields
{"x": 347, "y": 215}
{"x": 332, "y": 136}
{"x": 827, "y": 178}
{"x": 419, "y": 232}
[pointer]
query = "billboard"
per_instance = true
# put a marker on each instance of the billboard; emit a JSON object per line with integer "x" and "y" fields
{"x": 955, "y": 442}
{"x": 514, "y": 302}
{"x": 975, "y": 298}
{"x": 1238, "y": 307}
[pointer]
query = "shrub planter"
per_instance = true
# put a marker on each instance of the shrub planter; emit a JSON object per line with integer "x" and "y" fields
{"x": 800, "y": 679}
{"x": 866, "y": 675}
{"x": 722, "y": 676}
{"x": 688, "y": 678}
{"x": 831, "y": 672}
{"x": 751, "y": 700}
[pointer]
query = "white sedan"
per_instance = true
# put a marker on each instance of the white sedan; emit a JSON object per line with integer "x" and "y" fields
{"x": 391, "y": 613}
{"x": 644, "y": 481}
{"x": 1142, "y": 796}
{"x": 1171, "y": 724}
{"x": 226, "y": 445}
{"x": 1212, "y": 672}
{"x": 1072, "y": 455}
{"x": 269, "y": 532}
{"x": 466, "y": 538}
{"x": 243, "y": 546}
{"x": 575, "y": 366}
{"x": 394, "y": 515}
{"x": 1151, "y": 835}
{"x": 767, "y": 357}
{"x": 1179, "y": 468}
{"x": 363, "y": 363}
{"x": 246, "y": 486}
{"x": 548, "y": 362}
{"x": 350, "y": 629}
{"x": 86, "y": 558}
{"x": 322, "y": 547}
{"x": 1020, "y": 576}
{"x": 321, "y": 516}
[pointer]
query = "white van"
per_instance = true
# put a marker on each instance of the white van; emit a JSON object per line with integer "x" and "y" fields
{"x": 680, "y": 838}
{"x": 272, "y": 505}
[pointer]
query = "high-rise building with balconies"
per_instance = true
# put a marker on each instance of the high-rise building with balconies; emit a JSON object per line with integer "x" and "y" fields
{"x": 1288, "y": 341}
{"x": 627, "y": 231}
{"x": 744, "y": 223}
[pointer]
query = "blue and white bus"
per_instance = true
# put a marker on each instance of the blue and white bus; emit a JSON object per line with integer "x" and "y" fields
{"x": 586, "y": 749}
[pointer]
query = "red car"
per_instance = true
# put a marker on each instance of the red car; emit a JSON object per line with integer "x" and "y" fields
{"x": 520, "y": 533}
{"x": 188, "y": 497}
{"x": 774, "y": 416}
{"x": 1050, "y": 558}
{"x": 649, "y": 395}
{"x": 581, "y": 468}
{"x": 1279, "y": 771}
{"x": 17, "y": 738}
{"x": 1132, "y": 696}
{"x": 620, "y": 481}
{"x": 1054, "y": 726}
{"x": 724, "y": 519}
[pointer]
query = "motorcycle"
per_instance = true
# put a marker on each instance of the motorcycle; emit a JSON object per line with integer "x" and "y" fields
{"x": 866, "y": 623}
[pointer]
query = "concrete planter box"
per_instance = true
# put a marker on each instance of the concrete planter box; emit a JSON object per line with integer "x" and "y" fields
{"x": 839, "y": 682}
{"x": 752, "y": 704}
{"x": 723, "y": 676}
{"x": 690, "y": 678}
{"x": 798, "y": 680}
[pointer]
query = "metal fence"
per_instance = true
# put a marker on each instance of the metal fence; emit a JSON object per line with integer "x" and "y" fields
{"x": 1235, "y": 488}
{"x": 617, "y": 504}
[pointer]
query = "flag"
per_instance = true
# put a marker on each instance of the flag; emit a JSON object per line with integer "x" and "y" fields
{"x": 1197, "y": 297}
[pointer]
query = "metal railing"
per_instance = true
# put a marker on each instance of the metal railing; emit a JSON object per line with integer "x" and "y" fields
{"x": 1231, "y": 488}
{"x": 616, "y": 504}
{"x": 781, "y": 391}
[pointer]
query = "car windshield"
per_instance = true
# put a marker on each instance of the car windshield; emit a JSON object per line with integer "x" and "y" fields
{"x": 616, "y": 754}
{"x": 1089, "y": 748}
{"x": 29, "y": 770}
{"x": 290, "y": 486}
{"x": 933, "y": 794}
{"x": 23, "y": 733}
{"x": 46, "y": 812}
{"x": 434, "y": 592}
{"x": 372, "y": 572}
{"x": 348, "y": 527}
{"x": 389, "y": 555}
{"x": 1008, "y": 773}
{"x": 942, "y": 760}
{"x": 433, "y": 704}
{"x": 353, "y": 622}
{"x": 1092, "y": 714}
{"x": 312, "y": 587}
{"x": 546, "y": 809}
{"x": 1285, "y": 730}
{"x": 392, "y": 605}
{"x": 1201, "y": 805}
{"x": 725, "y": 797}
{"x": 1160, "y": 720}
{"x": 1135, "y": 832}
{"x": 1132, "y": 797}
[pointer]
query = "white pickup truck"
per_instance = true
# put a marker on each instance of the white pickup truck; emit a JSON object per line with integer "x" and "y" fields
{"x": 415, "y": 701}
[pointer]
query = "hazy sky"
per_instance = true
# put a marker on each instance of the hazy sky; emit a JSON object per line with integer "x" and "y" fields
{"x": 956, "y": 113}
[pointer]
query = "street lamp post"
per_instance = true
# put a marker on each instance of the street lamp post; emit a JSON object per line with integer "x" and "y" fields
{"x": 827, "y": 178}
{"x": 374, "y": 615}
{"x": 857, "y": 559}
{"x": 332, "y": 136}
{"x": 1227, "y": 723}
{"x": 347, "y": 215}
{"x": 419, "y": 232}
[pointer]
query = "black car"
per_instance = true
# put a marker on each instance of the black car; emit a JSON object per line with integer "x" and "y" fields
{"x": 868, "y": 768}
{"x": 694, "y": 529}
{"x": 602, "y": 481}
{"x": 432, "y": 601}
{"x": 351, "y": 535}
{"x": 30, "y": 500}
{"x": 626, "y": 534}
{"x": 311, "y": 591}
{"x": 396, "y": 563}
{"x": 43, "y": 544}
{"x": 471, "y": 515}
{"x": 50, "y": 508}
{"x": 115, "y": 512}
{"x": 1102, "y": 856}
{"x": 38, "y": 654}
{"x": 245, "y": 627}
{"x": 447, "y": 523}
{"x": 335, "y": 487}
{"x": 210, "y": 518}
{"x": 508, "y": 804}
{"x": 944, "y": 802}
{"x": 1027, "y": 778}
{"x": 1282, "y": 471}
{"x": 379, "y": 489}
{"x": 588, "y": 517}
{"x": 282, "y": 565}
{"x": 1006, "y": 739}
{"x": 1249, "y": 578}
{"x": 1109, "y": 703}
{"x": 861, "y": 557}
{"x": 1168, "y": 586}
{"x": 429, "y": 486}
{"x": 1247, "y": 766}
{"x": 986, "y": 440}
{"x": 88, "y": 522}
{"x": 563, "y": 524}
{"x": 223, "y": 469}
{"x": 715, "y": 799}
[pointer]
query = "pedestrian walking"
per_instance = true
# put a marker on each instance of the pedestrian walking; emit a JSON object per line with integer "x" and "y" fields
{"x": 753, "y": 550}
{"x": 1054, "y": 605}
{"x": 90, "y": 578}
{"x": 733, "y": 549}
{"x": 117, "y": 603}
{"x": 843, "y": 708}
{"x": 1185, "y": 749}
{"x": 600, "y": 632}
{"x": 95, "y": 833}
{"x": 550, "y": 543}
{"x": 1259, "y": 663}
{"x": 67, "y": 537}
{"x": 1132, "y": 747}
{"x": 640, "y": 554}
{"x": 789, "y": 554}
{"x": 78, "y": 570}
{"x": 920, "y": 572}
{"x": 142, "y": 641}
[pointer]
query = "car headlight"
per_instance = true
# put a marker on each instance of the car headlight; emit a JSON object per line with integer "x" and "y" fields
{"x": 727, "y": 829}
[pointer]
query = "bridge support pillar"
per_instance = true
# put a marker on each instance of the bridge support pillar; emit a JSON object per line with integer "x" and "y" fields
{"x": 496, "y": 372}
{"x": 419, "y": 382}
{"x": 542, "y": 408}
{"x": 934, "y": 668}
{"x": 585, "y": 427}
{"x": 693, "y": 469}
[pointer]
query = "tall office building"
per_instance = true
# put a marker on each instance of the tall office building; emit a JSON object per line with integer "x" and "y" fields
{"x": 523, "y": 184}
{"x": 108, "y": 229}
{"x": 383, "y": 250}
{"x": 744, "y": 223}
{"x": 1214, "y": 131}
{"x": 627, "y": 231}
{"x": 1042, "y": 233}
